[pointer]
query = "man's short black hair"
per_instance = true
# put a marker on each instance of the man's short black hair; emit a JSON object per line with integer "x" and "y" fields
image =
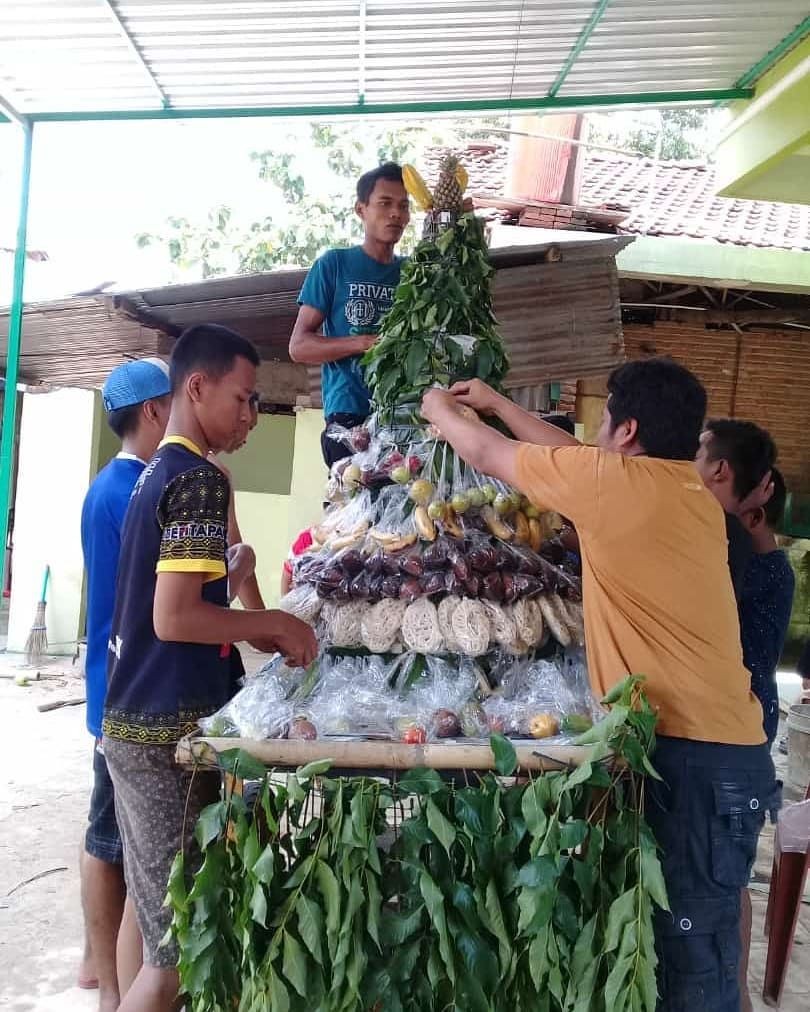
{"x": 747, "y": 448}
{"x": 561, "y": 422}
{"x": 212, "y": 349}
{"x": 124, "y": 421}
{"x": 667, "y": 401}
{"x": 775, "y": 507}
{"x": 366, "y": 183}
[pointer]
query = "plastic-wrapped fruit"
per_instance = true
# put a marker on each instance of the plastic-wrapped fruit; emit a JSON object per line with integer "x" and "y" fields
{"x": 411, "y": 564}
{"x": 401, "y": 474}
{"x": 414, "y": 464}
{"x": 359, "y": 588}
{"x": 497, "y": 725}
{"x": 503, "y": 504}
{"x": 482, "y": 559}
{"x": 476, "y": 497}
{"x": 543, "y": 725}
{"x": 375, "y": 563}
{"x": 302, "y": 730}
{"x": 473, "y": 720}
{"x": 435, "y": 557}
{"x": 492, "y": 587}
{"x": 433, "y": 583}
{"x": 490, "y": 492}
{"x": 531, "y": 511}
{"x": 361, "y": 438}
{"x": 460, "y": 503}
{"x": 390, "y": 586}
{"x": 516, "y": 499}
{"x": 352, "y": 561}
{"x": 436, "y": 509}
{"x": 410, "y": 589}
{"x": 446, "y": 724}
{"x": 390, "y": 564}
{"x": 421, "y": 491}
{"x": 576, "y": 723}
{"x": 414, "y": 735}
{"x": 351, "y": 476}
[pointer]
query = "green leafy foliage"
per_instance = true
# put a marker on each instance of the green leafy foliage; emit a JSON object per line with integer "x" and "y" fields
{"x": 444, "y": 291}
{"x": 496, "y": 897}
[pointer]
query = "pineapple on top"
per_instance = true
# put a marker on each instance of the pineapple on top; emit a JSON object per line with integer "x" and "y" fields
{"x": 346, "y": 293}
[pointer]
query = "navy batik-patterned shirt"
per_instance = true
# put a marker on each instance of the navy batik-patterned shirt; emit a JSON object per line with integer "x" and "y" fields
{"x": 177, "y": 521}
{"x": 765, "y": 605}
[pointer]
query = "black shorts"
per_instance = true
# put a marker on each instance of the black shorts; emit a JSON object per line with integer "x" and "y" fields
{"x": 707, "y": 816}
{"x": 103, "y": 839}
{"x": 334, "y": 450}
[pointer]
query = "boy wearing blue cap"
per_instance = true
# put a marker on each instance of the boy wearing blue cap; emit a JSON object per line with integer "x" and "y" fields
{"x": 137, "y": 399}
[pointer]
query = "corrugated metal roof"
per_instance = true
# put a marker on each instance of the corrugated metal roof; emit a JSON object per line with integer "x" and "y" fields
{"x": 65, "y": 56}
{"x": 558, "y": 319}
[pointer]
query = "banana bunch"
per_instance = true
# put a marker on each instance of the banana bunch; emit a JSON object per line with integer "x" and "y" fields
{"x": 420, "y": 191}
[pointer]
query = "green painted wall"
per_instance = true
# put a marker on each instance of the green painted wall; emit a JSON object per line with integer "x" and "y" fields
{"x": 761, "y": 158}
{"x": 265, "y": 463}
{"x": 264, "y": 522}
{"x": 309, "y": 473}
{"x": 702, "y": 261}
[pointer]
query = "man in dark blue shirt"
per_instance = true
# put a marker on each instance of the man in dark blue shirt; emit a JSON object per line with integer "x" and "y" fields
{"x": 169, "y": 661}
{"x": 136, "y": 399}
{"x": 766, "y": 603}
{"x": 346, "y": 293}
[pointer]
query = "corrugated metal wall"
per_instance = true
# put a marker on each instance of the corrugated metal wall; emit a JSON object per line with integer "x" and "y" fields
{"x": 558, "y": 319}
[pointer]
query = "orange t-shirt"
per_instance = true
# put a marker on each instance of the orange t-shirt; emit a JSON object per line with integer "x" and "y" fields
{"x": 656, "y": 585}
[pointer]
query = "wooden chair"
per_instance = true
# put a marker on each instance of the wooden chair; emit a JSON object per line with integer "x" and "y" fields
{"x": 784, "y": 902}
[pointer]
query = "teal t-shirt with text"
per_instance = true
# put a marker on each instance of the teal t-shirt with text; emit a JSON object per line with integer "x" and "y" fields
{"x": 352, "y": 290}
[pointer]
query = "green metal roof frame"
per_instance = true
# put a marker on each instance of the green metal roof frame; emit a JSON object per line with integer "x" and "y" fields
{"x": 552, "y": 100}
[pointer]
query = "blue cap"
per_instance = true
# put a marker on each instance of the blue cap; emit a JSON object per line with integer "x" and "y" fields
{"x": 136, "y": 382}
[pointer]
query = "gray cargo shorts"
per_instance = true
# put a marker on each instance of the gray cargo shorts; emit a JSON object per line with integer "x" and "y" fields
{"x": 157, "y": 804}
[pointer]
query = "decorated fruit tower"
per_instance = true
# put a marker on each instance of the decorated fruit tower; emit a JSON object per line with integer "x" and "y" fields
{"x": 442, "y": 584}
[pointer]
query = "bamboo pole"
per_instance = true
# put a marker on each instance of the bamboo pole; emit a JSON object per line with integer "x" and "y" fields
{"x": 379, "y": 755}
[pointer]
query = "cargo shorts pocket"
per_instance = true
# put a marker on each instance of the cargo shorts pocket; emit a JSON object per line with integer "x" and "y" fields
{"x": 699, "y": 949}
{"x": 740, "y": 807}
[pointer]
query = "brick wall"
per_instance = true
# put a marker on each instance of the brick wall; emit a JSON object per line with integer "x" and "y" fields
{"x": 763, "y": 376}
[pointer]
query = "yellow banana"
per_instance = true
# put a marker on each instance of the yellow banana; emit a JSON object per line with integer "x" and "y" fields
{"x": 535, "y": 534}
{"x": 417, "y": 187}
{"x": 424, "y": 525}
{"x": 496, "y": 525}
{"x": 522, "y": 533}
{"x": 461, "y": 177}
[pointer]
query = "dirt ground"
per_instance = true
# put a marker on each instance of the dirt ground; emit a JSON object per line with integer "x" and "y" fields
{"x": 43, "y": 809}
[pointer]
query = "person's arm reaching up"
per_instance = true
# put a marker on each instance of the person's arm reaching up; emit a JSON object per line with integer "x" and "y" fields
{"x": 523, "y": 425}
{"x": 562, "y": 478}
{"x": 478, "y": 444}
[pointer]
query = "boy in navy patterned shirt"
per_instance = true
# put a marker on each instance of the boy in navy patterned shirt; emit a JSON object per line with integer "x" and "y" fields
{"x": 169, "y": 661}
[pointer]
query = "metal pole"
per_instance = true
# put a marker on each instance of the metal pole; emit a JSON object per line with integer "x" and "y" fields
{"x": 13, "y": 349}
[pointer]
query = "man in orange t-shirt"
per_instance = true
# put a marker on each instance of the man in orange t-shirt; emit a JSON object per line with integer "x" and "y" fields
{"x": 658, "y": 602}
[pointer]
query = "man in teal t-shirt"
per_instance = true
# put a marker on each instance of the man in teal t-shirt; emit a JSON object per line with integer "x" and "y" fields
{"x": 344, "y": 297}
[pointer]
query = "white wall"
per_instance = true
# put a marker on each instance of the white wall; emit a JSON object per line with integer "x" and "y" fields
{"x": 57, "y": 447}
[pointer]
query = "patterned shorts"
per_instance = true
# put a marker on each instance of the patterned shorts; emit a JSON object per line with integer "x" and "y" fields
{"x": 157, "y": 804}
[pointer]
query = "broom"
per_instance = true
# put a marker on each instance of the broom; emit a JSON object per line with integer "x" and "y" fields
{"x": 36, "y": 646}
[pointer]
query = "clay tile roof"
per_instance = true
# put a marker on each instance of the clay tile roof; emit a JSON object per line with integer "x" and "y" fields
{"x": 678, "y": 199}
{"x": 667, "y": 198}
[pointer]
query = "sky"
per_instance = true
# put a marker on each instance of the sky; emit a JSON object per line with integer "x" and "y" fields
{"x": 95, "y": 186}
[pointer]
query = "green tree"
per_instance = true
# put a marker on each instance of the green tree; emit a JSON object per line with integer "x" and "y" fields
{"x": 685, "y": 133}
{"x": 304, "y": 222}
